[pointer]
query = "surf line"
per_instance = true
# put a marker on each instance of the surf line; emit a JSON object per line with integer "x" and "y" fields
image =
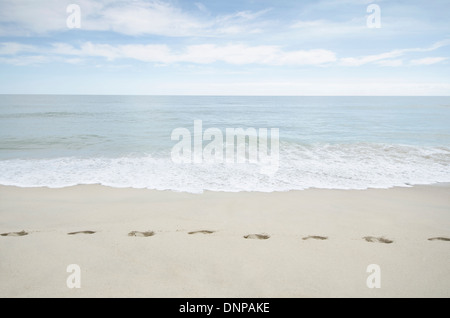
{"x": 236, "y": 146}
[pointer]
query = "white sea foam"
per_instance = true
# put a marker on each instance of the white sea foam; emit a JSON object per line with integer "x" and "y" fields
{"x": 343, "y": 166}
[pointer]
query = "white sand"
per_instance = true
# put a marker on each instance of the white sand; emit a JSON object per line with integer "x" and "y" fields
{"x": 173, "y": 263}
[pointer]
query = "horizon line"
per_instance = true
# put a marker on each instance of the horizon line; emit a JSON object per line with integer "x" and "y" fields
{"x": 209, "y": 95}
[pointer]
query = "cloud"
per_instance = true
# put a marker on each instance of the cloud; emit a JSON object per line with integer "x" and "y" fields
{"x": 243, "y": 54}
{"x": 428, "y": 60}
{"x": 246, "y": 15}
{"x": 242, "y": 22}
{"x": 201, "y": 7}
{"x": 236, "y": 54}
{"x": 135, "y": 18}
{"x": 233, "y": 54}
{"x": 338, "y": 3}
{"x": 19, "y": 17}
{"x": 379, "y": 58}
{"x": 352, "y": 61}
{"x": 25, "y": 60}
{"x": 391, "y": 63}
{"x": 140, "y": 17}
{"x": 308, "y": 24}
{"x": 11, "y": 48}
{"x": 322, "y": 28}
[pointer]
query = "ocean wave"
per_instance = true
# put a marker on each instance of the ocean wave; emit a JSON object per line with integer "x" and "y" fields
{"x": 325, "y": 166}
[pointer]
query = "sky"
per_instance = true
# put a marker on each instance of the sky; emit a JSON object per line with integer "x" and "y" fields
{"x": 232, "y": 47}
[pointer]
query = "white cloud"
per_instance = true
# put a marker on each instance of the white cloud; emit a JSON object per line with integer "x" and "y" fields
{"x": 138, "y": 17}
{"x": 391, "y": 63}
{"x": 25, "y": 60}
{"x": 246, "y": 15}
{"x": 12, "y": 48}
{"x": 201, "y": 7}
{"x": 428, "y": 60}
{"x": 337, "y": 3}
{"x": 308, "y": 24}
{"x": 232, "y": 54}
{"x": 325, "y": 28}
{"x": 379, "y": 58}
{"x": 236, "y": 54}
{"x": 311, "y": 57}
{"x": 19, "y": 17}
{"x": 352, "y": 61}
{"x": 145, "y": 53}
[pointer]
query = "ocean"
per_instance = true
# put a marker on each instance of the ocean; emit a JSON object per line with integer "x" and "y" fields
{"x": 125, "y": 141}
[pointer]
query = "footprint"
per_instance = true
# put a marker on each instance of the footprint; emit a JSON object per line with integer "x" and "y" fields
{"x": 372, "y": 239}
{"x": 201, "y": 232}
{"x": 22, "y": 233}
{"x": 257, "y": 237}
{"x": 82, "y": 232}
{"x": 313, "y": 237}
{"x": 445, "y": 239}
{"x": 141, "y": 234}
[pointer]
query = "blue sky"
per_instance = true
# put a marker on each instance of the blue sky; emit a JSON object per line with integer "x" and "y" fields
{"x": 244, "y": 47}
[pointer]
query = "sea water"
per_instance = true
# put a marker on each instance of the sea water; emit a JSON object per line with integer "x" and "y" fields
{"x": 125, "y": 141}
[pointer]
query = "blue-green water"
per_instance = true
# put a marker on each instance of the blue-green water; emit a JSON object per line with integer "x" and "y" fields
{"x": 125, "y": 141}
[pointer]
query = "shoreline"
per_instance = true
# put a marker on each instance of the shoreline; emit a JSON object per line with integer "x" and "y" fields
{"x": 406, "y": 186}
{"x": 319, "y": 242}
